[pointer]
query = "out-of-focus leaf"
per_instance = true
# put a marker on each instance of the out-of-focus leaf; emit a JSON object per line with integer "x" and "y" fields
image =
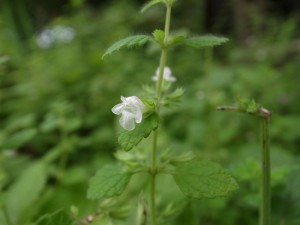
{"x": 150, "y": 4}
{"x": 205, "y": 41}
{"x": 18, "y": 139}
{"x": 26, "y": 191}
{"x": 57, "y": 218}
{"x": 102, "y": 219}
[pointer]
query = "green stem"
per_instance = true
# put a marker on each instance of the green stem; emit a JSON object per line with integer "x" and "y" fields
{"x": 153, "y": 199}
{"x": 162, "y": 65}
{"x": 265, "y": 209}
{"x": 163, "y": 60}
{"x": 153, "y": 179}
{"x": 168, "y": 22}
{"x": 163, "y": 57}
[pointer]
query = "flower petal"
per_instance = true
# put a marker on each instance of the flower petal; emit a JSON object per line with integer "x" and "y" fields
{"x": 131, "y": 110}
{"x": 127, "y": 121}
{"x": 138, "y": 116}
{"x": 166, "y": 76}
{"x": 117, "y": 109}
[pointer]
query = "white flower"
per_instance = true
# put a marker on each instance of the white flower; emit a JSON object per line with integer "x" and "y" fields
{"x": 58, "y": 34}
{"x": 45, "y": 39}
{"x": 63, "y": 34}
{"x": 131, "y": 110}
{"x": 167, "y": 75}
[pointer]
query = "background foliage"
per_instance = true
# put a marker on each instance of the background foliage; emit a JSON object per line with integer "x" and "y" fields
{"x": 56, "y": 125}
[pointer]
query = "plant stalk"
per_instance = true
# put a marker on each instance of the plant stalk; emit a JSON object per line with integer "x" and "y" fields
{"x": 162, "y": 65}
{"x": 265, "y": 209}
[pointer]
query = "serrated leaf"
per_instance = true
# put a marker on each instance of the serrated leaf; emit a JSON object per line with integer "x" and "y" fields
{"x": 150, "y": 4}
{"x": 25, "y": 191}
{"x": 109, "y": 181}
{"x": 129, "y": 139}
{"x": 204, "y": 179}
{"x": 205, "y": 41}
{"x": 131, "y": 41}
{"x": 59, "y": 217}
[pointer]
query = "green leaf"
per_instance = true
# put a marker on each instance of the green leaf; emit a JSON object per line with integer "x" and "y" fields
{"x": 102, "y": 219}
{"x": 176, "y": 40}
{"x": 59, "y": 217}
{"x": 131, "y": 41}
{"x": 159, "y": 36}
{"x": 204, "y": 179}
{"x": 205, "y": 41}
{"x": 177, "y": 94}
{"x": 248, "y": 105}
{"x": 109, "y": 181}
{"x": 18, "y": 139}
{"x": 129, "y": 139}
{"x": 173, "y": 98}
{"x": 26, "y": 191}
{"x": 150, "y": 4}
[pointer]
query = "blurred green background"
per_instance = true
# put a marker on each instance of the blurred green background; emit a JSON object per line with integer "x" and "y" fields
{"x": 56, "y": 95}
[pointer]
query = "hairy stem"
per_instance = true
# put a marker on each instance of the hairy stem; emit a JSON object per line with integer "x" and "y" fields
{"x": 162, "y": 65}
{"x": 265, "y": 208}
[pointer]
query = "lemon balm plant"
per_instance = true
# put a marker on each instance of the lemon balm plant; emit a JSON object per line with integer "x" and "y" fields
{"x": 141, "y": 118}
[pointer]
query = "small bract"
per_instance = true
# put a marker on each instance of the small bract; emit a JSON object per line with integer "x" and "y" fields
{"x": 131, "y": 110}
{"x": 167, "y": 75}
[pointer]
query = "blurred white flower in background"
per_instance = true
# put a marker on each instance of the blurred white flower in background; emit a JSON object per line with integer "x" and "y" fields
{"x": 131, "y": 111}
{"x": 58, "y": 34}
{"x": 167, "y": 75}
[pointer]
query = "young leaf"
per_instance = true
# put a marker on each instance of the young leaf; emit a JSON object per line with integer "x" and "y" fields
{"x": 108, "y": 182}
{"x": 203, "y": 179}
{"x": 176, "y": 95}
{"x": 131, "y": 41}
{"x": 57, "y": 218}
{"x": 248, "y": 105}
{"x": 159, "y": 36}
{"x": 150, "y": 4}
{"x": 205, "y": 41}
{"x": 102, "y": 219}
{"x": 129, "y": 139}
{"x": 173, "y": 98}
